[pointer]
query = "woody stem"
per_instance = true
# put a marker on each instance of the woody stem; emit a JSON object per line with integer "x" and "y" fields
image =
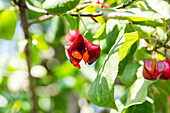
{"x": 25, "y": 25}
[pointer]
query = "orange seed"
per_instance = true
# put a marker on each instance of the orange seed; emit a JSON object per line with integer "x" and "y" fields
{"x": 76, "y": 54}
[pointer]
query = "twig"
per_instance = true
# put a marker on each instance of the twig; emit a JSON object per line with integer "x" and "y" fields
{"x": 25, "y": 25}
{"x": 35, "y": 9}
{"x": 45, "y": 17}
{"x": 166, "y": 24}
{"x": 88, "y": 15}
{"x": 85, "y": 2}
{"x": 124, "y": 4}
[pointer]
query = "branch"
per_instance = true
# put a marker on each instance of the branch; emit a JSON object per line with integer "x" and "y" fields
{"x": 88, "y": 15}
{"x": 45, "y": 17}
{"x": 35, "y": 9}
{"x": 124, "y": 4}
{"x": 24, "y": 23}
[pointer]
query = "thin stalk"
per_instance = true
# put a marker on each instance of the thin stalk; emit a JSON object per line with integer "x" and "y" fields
{"x": 84, "y": 25}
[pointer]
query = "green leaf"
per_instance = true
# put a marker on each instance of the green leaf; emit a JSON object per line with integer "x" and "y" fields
{"x": 167, "y": 87}
{"x": 160, "y": 6}
{"x": 161, "y": 31}
{"x": 129, "y": 28}
{"x": 129, "y": 74}
{"x": 100, "y": 60}
{"x": 59, "y": 6}
{"x": 33, "y": 14}
{"x": 142, "y": 54}
{"x": 127, "y": 59}
{"x": 145, "y": 29}
{"x": 71, "y": 21}
{"x": 101, "y": 33}
{"x": 91, "y": 8}
{"x": 142, "y": 5}
{"x": 145, "y": 107}
{"x": 138, "y": 16}
{"x": 114, "y": 29}
{"x": 36, "y": 3}
{"x": 138, "y": 92}
{"x": 161, "y": 101}
{"x": 8, "y": 20}
{"x": 150, "y": 23}
{"x": 101, "y": 92}
{"x": 120, "y": 106}
{"x": 163, "y": 84}
{"x": 130, "y": 39}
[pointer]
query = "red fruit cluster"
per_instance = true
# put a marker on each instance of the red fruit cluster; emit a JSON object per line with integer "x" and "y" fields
{"x": 80, "y": 49}
{"x": 154, "y": 70}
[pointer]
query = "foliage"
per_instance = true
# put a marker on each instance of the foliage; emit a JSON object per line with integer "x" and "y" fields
{"x": 127, "y": 34}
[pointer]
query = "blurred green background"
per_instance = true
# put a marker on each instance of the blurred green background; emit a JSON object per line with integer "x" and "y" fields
{"x": 59, "y": 86}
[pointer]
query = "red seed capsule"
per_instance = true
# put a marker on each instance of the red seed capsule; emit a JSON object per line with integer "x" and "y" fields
{"x": 80, "y": 49}
{"x": 166, "y": 73}
{"x": 153, "y": 69}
